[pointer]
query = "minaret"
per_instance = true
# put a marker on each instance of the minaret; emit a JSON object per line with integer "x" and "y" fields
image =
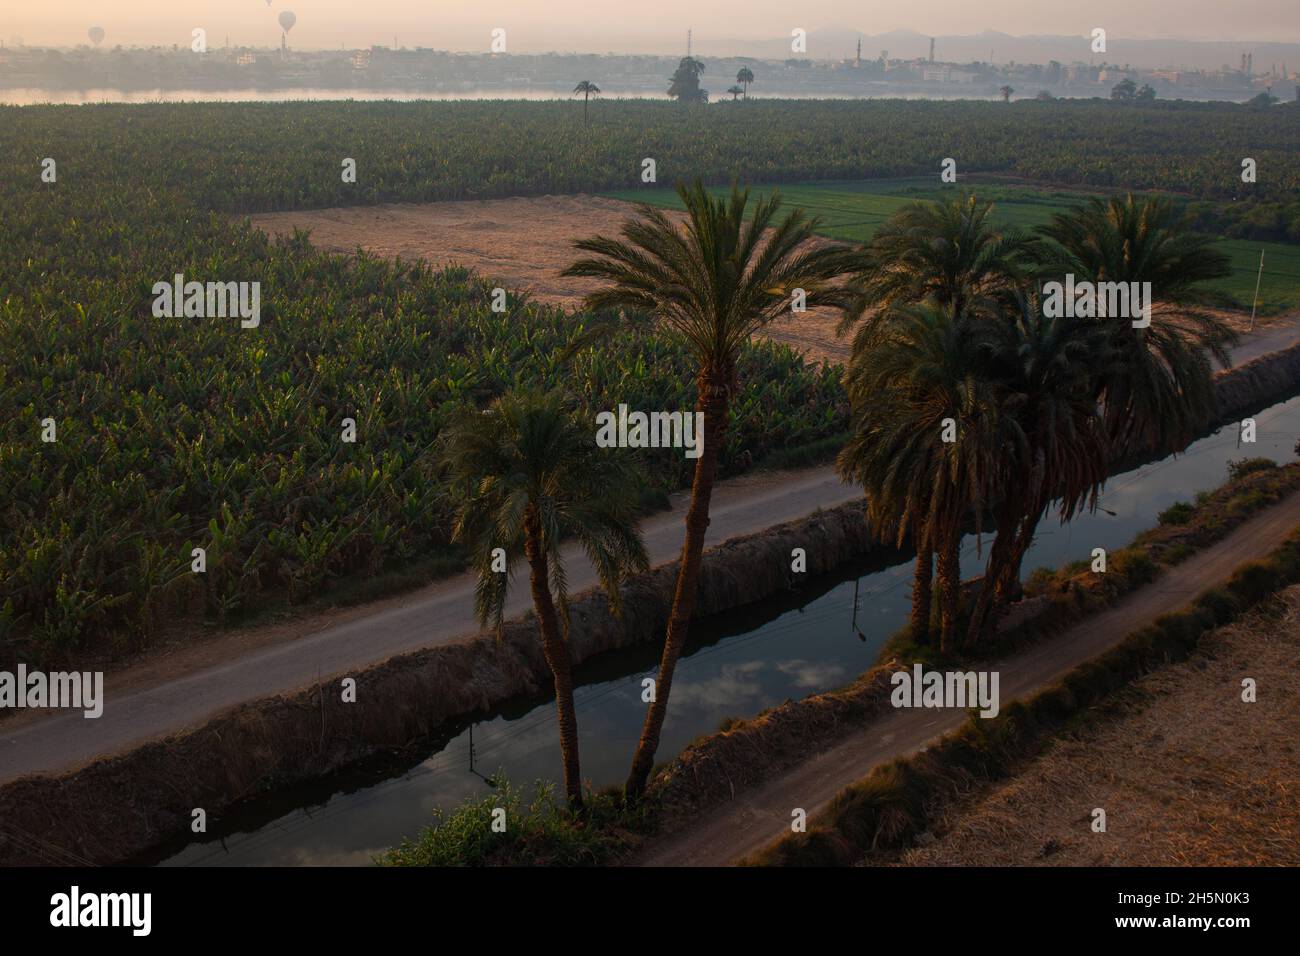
{"x": 688, "y": 44}
{"x": 858, "y": 62}
{"x": 931, "y": 49}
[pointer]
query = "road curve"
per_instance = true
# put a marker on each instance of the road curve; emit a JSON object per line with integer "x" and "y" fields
{"x": 758, "y": 817}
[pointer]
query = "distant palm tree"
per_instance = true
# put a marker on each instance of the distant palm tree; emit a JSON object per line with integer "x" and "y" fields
{"x": 588, "y": 89}
{"x": 744, "y": 77}
{"x": 684, "y": 85}
{"x": 524, "y": 475}
{"x": 735, "y": 92}
{"x": 1006, "y": 92}
{"x": 712, "y": 284}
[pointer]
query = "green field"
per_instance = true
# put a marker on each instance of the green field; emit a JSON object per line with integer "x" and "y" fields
{"x": 175, "y": 432}
{"x": 853, "y": 211}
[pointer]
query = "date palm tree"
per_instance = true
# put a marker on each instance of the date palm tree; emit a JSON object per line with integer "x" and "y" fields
{"x": 524, "y": 475}
{"x": 712, "y": 282}
{"x": 1154, "y": 386}
{"x": 586, "y": 89}
{"x": 1160, "y": 394}
{"x": 745, "y": 76}
{"x": 927, "y": 438}
{"x": 1045, "y": 369}
{"x": 948, "y": 251}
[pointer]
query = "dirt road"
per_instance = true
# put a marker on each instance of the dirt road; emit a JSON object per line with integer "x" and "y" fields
{"x": 196, "y": 681}
{"x": 438, "y": 614}
{"x": 757, "y": 818}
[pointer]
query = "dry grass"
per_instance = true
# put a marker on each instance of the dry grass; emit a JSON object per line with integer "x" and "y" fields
{"x": 523, "y": 242}
{"x": 1189, "y": 775}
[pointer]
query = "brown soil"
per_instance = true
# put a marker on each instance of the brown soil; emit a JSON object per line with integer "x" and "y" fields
{"x": 524, "y": 242}
{"x": 1189, "y": 774}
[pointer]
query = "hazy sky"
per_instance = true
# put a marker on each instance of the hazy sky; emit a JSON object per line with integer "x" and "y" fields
{"x": 626, "y": 25}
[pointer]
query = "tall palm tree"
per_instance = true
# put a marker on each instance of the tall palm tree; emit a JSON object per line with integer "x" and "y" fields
{"x": 525, "y": 474}
{"x": 745, "y": 76}
{"x": 713, "y": 283}
{"x": 1046, "y": 369}
{"x": 1162, "y": 394}
{"x": 919, "y": 377}
{"x": 587, "y": 89}
{"x": 948, "y": 251}
{"x": 1154, "y": 385}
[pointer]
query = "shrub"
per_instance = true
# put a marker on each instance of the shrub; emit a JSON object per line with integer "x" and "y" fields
{"x": 1246, "y": 466}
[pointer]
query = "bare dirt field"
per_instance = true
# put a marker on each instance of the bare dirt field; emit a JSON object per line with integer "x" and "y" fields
{"x": 525, "y": 242}
{"x": 1188, "y": 773}
{"x": 522, "y": 242}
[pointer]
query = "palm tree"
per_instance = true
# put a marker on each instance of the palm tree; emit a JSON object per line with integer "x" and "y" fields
{"x": 1161, "y": 394}
{"x": 1045, "y": 368}
{"x": 745, "y": 76}
{"x": 588, "y": 89}
{"x": 1006, "y": 92}
{"x": 919, "y": 377}
{"x": 685, "y": 83}
{"x": 524, "y": 475}
{"x": 713, "y": 284}
{"x": 735, "y": 92}
{"x": 1154, "y": 386}
{"x": 947, "y": 251}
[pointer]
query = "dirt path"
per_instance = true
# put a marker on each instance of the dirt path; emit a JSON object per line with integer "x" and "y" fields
{"x": 165, "y": 696}
{"x": 193, "y": 681}
{"x": 1176, "y": 795}
{"x": 755, "y": 819}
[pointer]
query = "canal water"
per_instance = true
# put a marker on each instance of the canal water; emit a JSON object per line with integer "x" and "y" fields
{"x": 798, "y": 643}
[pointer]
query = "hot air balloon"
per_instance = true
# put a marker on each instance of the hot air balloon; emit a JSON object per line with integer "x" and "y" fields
{"x": 287, "y": 20}
{"x": 96, "y": 35}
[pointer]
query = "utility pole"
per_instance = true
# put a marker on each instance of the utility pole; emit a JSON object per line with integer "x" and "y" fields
{"x": 1255, "y": 303}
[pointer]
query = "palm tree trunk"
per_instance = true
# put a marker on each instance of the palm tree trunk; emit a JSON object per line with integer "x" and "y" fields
{"x": 1009, "y": 583}
{"x": 984, "y": 615}
{"x": 556, "y": 651}
{"x": 949, "y": 579}
{"x": 585, "y": 97}
{"x": 922, "y": 589}
{"x": 714, "y": 401}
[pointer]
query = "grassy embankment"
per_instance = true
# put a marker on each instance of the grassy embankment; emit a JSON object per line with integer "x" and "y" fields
{"x": 897, "y": 801}
{"x": 541, "y": 831}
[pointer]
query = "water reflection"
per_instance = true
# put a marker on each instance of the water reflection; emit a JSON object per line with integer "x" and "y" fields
{"x": 798, "y": 643}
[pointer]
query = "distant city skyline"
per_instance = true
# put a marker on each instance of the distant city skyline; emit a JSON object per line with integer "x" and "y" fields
{"x": 759, "y": 29}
